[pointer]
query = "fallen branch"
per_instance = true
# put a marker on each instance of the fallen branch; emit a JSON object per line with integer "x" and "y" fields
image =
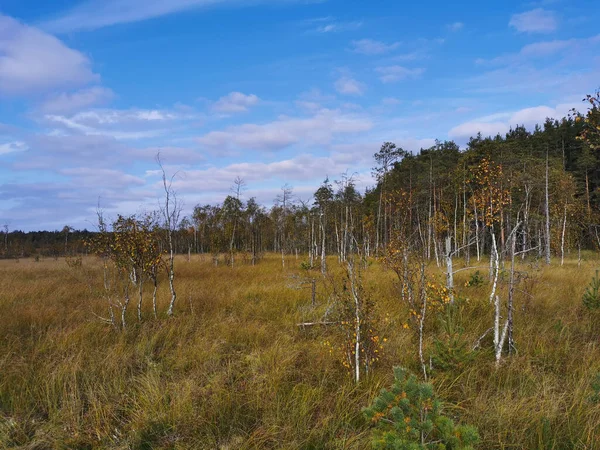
{"x": 102, "y": 319}
{"x": 310, "y": 324}
{"x": 478, "y": 341}
{"x": 469, "y": 268}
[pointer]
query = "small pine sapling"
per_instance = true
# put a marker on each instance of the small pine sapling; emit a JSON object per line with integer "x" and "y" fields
{"x": 451, "y": 353}
{"x": 409, "y": 416}
{"x": 591, "y": 296}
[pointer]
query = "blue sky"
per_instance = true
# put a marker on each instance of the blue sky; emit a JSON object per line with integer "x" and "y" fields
{"x": 273, "y": 91}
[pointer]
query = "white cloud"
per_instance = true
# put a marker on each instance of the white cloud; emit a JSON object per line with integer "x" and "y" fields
{"x": 285, "y": 131}
{"x": 545, "y": 48}
{"x": 336, "y": 27}
{"x": 93, "y": 177}
{"x": 456, "y": 26}
{"x": 235, "y": 102}
{"x": 372, "y": 47}
{"x": 310, "y": 107}
{"x": 50, "y": 205}
{"x": 12, "y": 147}
{"x": 93, "y": 14}
{"x": 304, "y": 172}
{"x": 412, "y": 56}
{"x": 390, "y": 74}
{"x": 349, "y": 86}
{"x": 468, "y": 129}
{"x": 560, "y": 79}
{"x": 542, "y": 49}
{"x": 413, "y": 144}
{"x": 304, "y": 169}
{"x": 33, "y": 61}
{"x": 52, "y": 152}
{"x": 462, "y": 109}
{"x": 502, "y": 122}
{"x": 390, "y": 101}
{"x": 97, "y": 117}
{"x": 56, "y": 152}
{"x": 535, "y": 21}
{"x": 314, "y": 100}
{"x": 66, "y": 103}
{"x": 119, "y": 124}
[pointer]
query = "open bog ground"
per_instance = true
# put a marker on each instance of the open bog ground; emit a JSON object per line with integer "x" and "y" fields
{"x": 233, "y": 370}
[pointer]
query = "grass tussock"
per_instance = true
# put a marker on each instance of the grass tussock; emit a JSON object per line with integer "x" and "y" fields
{"x": 232, "y": 370}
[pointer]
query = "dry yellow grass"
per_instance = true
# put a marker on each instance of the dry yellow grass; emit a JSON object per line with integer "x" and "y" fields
{"x": 232, "y": 370}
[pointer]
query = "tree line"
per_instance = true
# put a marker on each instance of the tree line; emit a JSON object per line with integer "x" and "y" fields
{"x": 547, "y": 180}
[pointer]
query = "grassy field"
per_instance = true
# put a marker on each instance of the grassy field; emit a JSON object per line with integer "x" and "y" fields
{"x": 232, "y": 370}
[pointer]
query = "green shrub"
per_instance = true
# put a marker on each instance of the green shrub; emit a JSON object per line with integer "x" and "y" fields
{"x": 452, "y": 353}
{"x": 591, "y": 296}
{"x": 409, "y": 417}
{"x": 475, "y": 280}
{"x": 305, "y": 265}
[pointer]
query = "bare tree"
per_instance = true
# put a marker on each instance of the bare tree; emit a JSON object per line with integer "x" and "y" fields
{"x": 323, "y": 197}
{"x": 170, "y": 209}
{"x": 5, "y": 227}
{"x": 66, "y": 230}
{"x": 285, "y": 200}
{"x": 238, "y": 186}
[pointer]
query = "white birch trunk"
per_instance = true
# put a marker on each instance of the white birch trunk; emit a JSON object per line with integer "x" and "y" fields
{"x": 449, "y": 270}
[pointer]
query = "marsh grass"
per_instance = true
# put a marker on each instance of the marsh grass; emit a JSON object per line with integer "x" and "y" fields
{"x": 232, "y": 370}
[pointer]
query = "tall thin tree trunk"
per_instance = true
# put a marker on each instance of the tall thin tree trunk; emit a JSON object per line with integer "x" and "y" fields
{"x": 465, "y": 235}
{"x": 323, "y": 254}
{"x": 171, "y": 276}
{"x": 422, "y": 321}
{"x": 357, "y": 320}
{"x": 155, "y": 281}
{"x": 141, "y": 290}
{"x": 449, "y": 270}
{"x": 525, "y": 236}
{"x": 511, "y": 292}
{"x": 547, "y": 212}
{"x": 124, "y": 306}
{"x": 476, "y": 230}
{"x": 562, "y": 237}
{"x": 494, "y": 266}
{"x": 587, "y": 193}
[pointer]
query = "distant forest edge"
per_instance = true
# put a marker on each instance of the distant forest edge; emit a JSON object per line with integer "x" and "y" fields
{"x": 548, "y": 180}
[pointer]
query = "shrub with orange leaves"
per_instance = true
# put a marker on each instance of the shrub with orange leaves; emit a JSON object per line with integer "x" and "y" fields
{"x": 357, "y": 326}
{"x": 489, "y": 193}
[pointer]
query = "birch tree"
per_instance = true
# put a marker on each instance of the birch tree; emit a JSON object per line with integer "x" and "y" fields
{"x": 170, "y": 208}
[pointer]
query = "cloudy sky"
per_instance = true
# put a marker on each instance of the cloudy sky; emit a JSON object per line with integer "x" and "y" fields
{"x": 273, "y": 91}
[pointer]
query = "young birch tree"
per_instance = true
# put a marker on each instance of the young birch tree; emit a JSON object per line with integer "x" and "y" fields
{"x": 170, "y": 209}
{"x": 491, "y": 198}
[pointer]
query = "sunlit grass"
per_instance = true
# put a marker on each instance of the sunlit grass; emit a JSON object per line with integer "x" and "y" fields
{"x": 233, "y": 370}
